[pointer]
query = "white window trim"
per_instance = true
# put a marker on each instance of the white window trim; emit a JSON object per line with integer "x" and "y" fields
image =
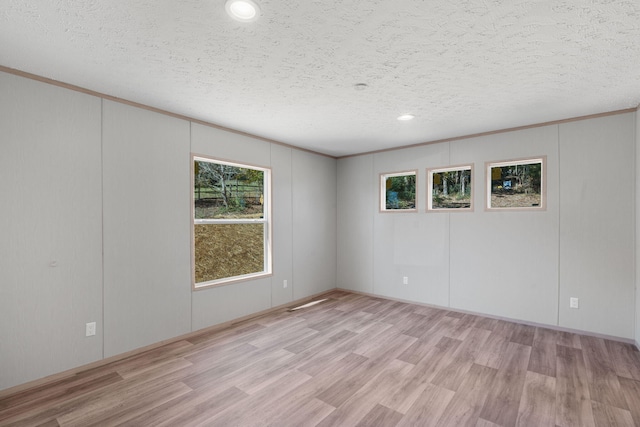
{"x": 266, "y": 219}
{"x": 382, "y": 205}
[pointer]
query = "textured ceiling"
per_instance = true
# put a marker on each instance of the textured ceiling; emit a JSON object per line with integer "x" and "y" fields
{"x": 461, "y": 67}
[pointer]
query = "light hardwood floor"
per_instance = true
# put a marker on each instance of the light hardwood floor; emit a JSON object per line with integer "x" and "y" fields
{"x": 353, "y": 361}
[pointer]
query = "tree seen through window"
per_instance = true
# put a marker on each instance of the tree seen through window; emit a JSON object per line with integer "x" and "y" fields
{"x": 516, "y": 184}
{"x": 399, "y": 191}
{"x": 230, "y": 221}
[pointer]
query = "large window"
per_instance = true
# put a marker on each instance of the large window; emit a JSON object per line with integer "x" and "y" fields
{"x": 516, "y": 184}
{"x": 231, "y": 224}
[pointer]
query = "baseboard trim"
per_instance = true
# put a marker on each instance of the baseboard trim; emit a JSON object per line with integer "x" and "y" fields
{"x": 507, "y": 319}
{"x": 221, "y": 326}
{"x": 102, "y": 362}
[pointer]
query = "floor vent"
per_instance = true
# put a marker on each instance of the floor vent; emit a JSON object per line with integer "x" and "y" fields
{"x": 309, "y": 304}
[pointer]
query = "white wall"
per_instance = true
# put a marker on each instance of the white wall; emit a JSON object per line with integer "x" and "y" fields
{"x": 597, "y": 222}
{"x": 50, "y": 228}
{"x": 314, "y": 223}
{"x": 506, "y": 263}
{"x": 637, "y": 157}
{"x": 519, "y": 265}
{"x": 146, "y": 227}
{"x": 357, "y": 198}
{"x": 409, "y": 244}
{"x": 80, "y": 176}
{"x": 282, "y": 181}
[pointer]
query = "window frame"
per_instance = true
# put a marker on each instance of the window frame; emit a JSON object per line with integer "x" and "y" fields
{"x": 266, "y": 220}
{"x": 512, "y": 162}
{"x": 432, "y": 171}
{"x": 382, "y": 192}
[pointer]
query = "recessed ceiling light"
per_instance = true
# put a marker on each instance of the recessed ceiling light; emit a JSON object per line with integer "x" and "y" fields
{"x": 405, "y": 117}
{"x": 360, "y": 86}
{"x": 242, "y": 10}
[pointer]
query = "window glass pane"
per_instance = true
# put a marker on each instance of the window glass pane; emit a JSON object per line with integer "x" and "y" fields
{"x": 224, "y": 191}
{"x": 517, "y": 185}
{"x": 228, "y": 250}
{"x": 451, "y": 189}
{"x": 230, "y": 222}
{"x": 400, "y": 192}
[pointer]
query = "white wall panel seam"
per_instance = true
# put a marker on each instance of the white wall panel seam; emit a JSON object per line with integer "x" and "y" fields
{"x": 273, "y": 247}
{"x": 373, "y": 223}
{"x": 191, "y": 226}
{"x": 102, "y": 323}
{"x": 559, "y": 223}
{"x": 448, "y": 235}
{"x": 635, "y": 226}
{"x": 293, "y": 280}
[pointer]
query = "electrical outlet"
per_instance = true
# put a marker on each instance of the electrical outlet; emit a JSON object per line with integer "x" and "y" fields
{"x": 405, "y": 280}
{"x": 284, "y": 283}
{"x": 90, "y": 329}
{"x": 574, "y": 302}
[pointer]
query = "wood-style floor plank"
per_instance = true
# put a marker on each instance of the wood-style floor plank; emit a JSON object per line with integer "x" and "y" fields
{"x": 523, "y": 334}
{"x": 352, "y": 360}
{"x": 188, "y": 408}
{"x": 573, "y": 401}
{"x": 48, "y": 399}
{"x": 631, "y": 390}
{"x": 609, "y": 416}
{"x": 503, "y": 400}
{"x": 347, "y": 386}
{"x": 538, "y": 403}
{"x": 493, "y": 350}
{"x": 417, "y": 325}
{"x": 604, "y": 386}
{"x": 462, "y": 327}
{"x": 418, "y": 380}
{"x": 305, "y": 395}
{"x": 543, "y": 352}
{"x": 625, "y": 359}
{"x": 484, "y": 423}
{"x": 485, "y": 323}
{"x": 569, "y": 339}
{"x": 260, "y": 374}
{"x": 306, "y": 413}
{"x": 465, "y": 406}
{"x": 453, "y": 375}
{"x": 380, "y": 416}
{"x": 122, "y": 409}
{"x": 359, "y": 406}
{"x": 314, "y": 361}
{"x": 254, "y": 409}
{"x": 495, "y": 347}
{"x": 428, "y": 407}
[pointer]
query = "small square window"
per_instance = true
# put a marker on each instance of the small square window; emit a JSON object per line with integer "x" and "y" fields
{"x": 516, "y": 184}
{"x": 449, "y": 189}
{"x": 398, "y": 191}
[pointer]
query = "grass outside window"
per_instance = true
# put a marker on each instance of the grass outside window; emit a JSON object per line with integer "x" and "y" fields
{"x": 231, "y": 224}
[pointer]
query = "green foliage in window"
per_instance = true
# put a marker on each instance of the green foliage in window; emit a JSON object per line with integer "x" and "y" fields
{"x": 451, "y": 189}
{"x": 516, "y": 186}
{"x": 401, "y": 192}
